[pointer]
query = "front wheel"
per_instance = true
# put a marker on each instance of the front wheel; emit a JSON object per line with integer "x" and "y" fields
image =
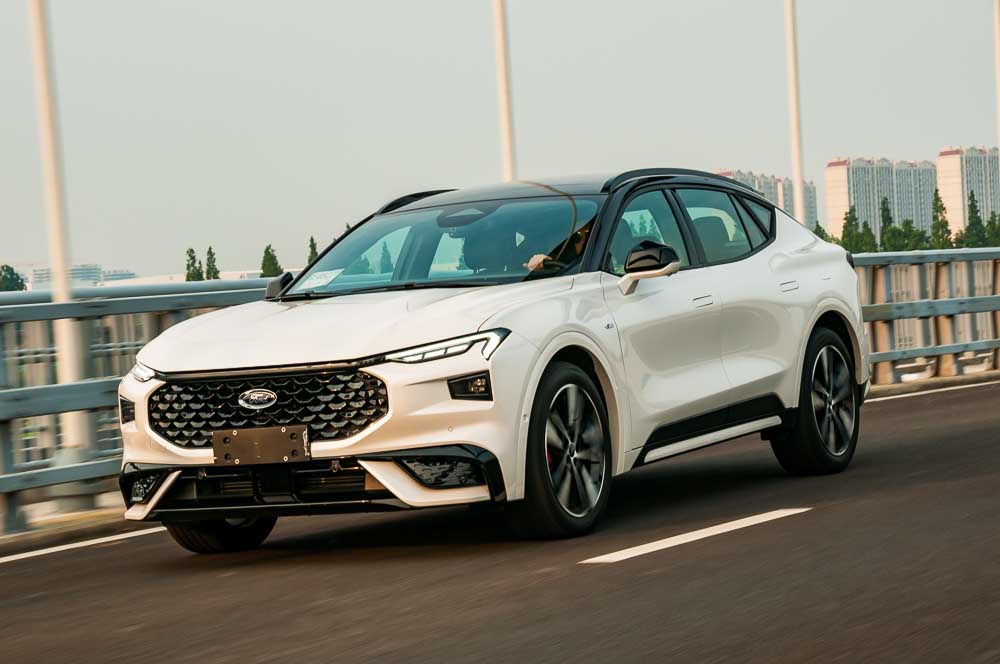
{"x": 825, "y": 434}
{"x": 568, "y": 464}
{"x": 221, "y": 535}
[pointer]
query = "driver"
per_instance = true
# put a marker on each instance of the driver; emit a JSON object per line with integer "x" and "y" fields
{"x": 570, "y": 252}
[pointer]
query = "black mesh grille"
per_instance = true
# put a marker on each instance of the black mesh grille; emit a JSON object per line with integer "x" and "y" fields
{"x": 334, "y": 405}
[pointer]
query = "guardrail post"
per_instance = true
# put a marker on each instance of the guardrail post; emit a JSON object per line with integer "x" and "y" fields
{"x": 78, "y": 442}
{"x": 970, "y": 279}
{"x": 926, "y": 338}
{"x": 882, "y": 338}
{"x": 944, "y": 325}
{"x": 996, "y": 314}
{"x": 13, "y": 516}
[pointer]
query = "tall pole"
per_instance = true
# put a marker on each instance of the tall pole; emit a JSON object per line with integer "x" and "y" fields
{"x": 69, "y": 351}
{"x": 792, "y": 63}
{"x": 996, "y": 59}
{"x": 503, "y": 91}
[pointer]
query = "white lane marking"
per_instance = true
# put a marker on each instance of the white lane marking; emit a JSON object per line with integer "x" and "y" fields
{"x": 695, "y": 535}
{"x": 940, "y": 389}
{"x": 80, "y": 545}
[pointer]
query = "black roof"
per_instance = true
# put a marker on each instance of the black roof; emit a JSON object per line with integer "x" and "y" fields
{"x": 559, "y": 186}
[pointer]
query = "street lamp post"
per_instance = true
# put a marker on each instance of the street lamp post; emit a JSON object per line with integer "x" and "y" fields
{"x": 76, "y": 429}
{"x": 792, "y": 65}
{"x": 503, "y": 91}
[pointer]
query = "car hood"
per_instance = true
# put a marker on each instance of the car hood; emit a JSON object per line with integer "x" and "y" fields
{"x": 338, "y": 328}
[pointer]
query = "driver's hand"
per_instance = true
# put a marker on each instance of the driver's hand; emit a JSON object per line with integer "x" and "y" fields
{"x": 536, "y": 261}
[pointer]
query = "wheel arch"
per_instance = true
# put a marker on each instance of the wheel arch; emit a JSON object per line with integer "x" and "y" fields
{"x": 837, "y": 317}
{"x": 579, "y": 350}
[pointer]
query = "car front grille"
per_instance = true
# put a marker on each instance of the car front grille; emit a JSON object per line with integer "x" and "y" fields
{"x": 333, "y": 404}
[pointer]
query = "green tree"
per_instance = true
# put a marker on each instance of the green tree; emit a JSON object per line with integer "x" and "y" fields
{"x": 820, "y": 233}
{"x": 993, "y": 230}
{"x": 10, "y": 280}
{"x": 940, "y": 230}
{"x": 959, "y": 241}
{"x": 914, "y": 238}
{"x": 192, "y": 269}
{"x": 312, "y": 250}
{"x": 269, "y": 265}
{"x": 975, "y": 230}
{"x": 893, "y": 237}
{"x": 385, "y": 260}
{"x": 850, "y": 235}
{"x": 211, "y": 268}
{"x": 867, "y": 243}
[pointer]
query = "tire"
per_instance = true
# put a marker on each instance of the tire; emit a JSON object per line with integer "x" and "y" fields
{"x": 221, "y": 535}
{"x": 568, "y": 463}
{"x": 825, "y": 434}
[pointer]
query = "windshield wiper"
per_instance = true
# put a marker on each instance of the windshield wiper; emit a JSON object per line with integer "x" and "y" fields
{"x": 416, "y": 285}
{"x": 305, "y": 295}
{"x": 406, "y": 285}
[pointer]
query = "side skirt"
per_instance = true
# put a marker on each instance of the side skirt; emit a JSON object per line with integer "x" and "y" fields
{"x": 717, "y": 426}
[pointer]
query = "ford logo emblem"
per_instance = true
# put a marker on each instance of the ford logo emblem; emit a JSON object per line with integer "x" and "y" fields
{"x": 257, "y": 399}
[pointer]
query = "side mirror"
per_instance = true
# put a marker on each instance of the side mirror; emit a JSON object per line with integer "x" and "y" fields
{"x": 276, "y": 285}
{"x": 648, "y": 260}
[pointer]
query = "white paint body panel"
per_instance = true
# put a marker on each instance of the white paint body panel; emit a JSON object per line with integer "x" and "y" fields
{"x": 678, "y": 346}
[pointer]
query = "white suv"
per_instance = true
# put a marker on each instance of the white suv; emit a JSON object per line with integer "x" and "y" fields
{"x": 518, "y": 345}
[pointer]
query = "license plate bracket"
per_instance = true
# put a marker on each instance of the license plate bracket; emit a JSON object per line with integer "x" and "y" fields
{"x": 242, "y": 447}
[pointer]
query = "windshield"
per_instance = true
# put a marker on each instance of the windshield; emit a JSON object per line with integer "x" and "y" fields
{"x": 474, "y": 244}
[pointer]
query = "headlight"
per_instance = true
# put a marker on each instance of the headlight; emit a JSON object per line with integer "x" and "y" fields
{"x": 490, "y": 340}
{"x": 142, "y": 373}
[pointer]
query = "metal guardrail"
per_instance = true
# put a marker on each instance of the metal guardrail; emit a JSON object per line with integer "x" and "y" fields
{"x": 948, "y": 299}
{"x": 160, "y": 305}
{"x": 931, "y": 296}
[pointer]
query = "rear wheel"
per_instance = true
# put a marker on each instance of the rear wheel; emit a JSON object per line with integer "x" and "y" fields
{"x": 825, "y": 434}
{"x": 221, "y": 535}
{"x": 568, "y": 465}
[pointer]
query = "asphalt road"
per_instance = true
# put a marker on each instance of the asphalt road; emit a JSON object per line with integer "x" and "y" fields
{"x": 898, "y": 560}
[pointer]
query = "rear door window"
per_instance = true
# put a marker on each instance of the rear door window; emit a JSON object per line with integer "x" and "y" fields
{"x": 716, "y": 223}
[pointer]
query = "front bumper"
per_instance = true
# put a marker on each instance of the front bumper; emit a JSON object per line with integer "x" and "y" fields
{"x": 346, "y": 484}
{"x": 423, "y": 420}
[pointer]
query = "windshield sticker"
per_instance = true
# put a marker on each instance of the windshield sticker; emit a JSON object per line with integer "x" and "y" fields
{"x": 319, "y": 279}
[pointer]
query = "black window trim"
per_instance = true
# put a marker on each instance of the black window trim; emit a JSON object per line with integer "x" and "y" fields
{"x": 602, "y": 247}
{"x": 768, "y": 232}
{"x": 690, "y": 223}
{"x": 747, "y": 217}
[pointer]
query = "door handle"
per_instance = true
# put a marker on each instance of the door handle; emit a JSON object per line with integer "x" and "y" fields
{"x": 786, "y": 286}
{"x": 702, "y": 301}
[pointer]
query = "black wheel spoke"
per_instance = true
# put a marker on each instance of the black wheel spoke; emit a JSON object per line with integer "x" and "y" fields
{"x": 555, "y": 432}
{"x": 844, "y": 422}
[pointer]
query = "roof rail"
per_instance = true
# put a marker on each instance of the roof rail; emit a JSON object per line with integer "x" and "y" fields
{"x": 648, "y": 173}
{"x": 397, "y": 203}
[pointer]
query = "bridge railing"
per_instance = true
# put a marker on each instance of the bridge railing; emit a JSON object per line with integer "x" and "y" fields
{"x": 929, "y": 313}
{"x": 114, "y": 323}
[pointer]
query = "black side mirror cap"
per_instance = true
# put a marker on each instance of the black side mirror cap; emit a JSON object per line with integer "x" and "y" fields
{"x": 277, "y": 285}
{"x": 649, "y": 255}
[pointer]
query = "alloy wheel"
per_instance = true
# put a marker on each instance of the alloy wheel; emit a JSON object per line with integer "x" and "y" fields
{"x": 833, "y": 400}
{"x": 575, "y": 450}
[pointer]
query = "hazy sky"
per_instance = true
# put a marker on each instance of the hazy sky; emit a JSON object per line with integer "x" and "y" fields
{"x": 237, "y": 124}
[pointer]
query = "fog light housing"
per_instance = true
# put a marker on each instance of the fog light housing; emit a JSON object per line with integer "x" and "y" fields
{"x": 444, "y": 473}
{"x": 126, "y": 410}
{"x": 474, "y": 386}
{"x": 143, "y": 487}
